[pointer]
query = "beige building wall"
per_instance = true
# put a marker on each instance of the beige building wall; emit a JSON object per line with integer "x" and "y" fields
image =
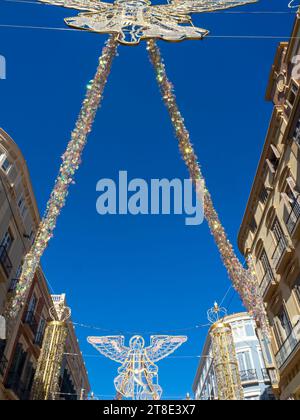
{"x": 270, "y": 230}
{"x": 19, "y": 220}
{"x": 19, "y": 216}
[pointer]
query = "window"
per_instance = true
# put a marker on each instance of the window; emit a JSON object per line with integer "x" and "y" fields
{"x": 297, "y": 288}
{"x": 5, "y": 165}
{"x": 279, "y": 237}
{"x": 16, "y": 368}
{"x": 282, "y": 326}
{"x": 40, "y": 332}
{"x": 245, "y": 360}
{"x": 7, "y": 240}
{"x": 31, "y": 308}
{"x": 277, "y": 231}
{"x": 263, "y": 196}
{"x": 253, "y": 225}
{"x": 24, "y": 211}
{"x": 15, "y": 280}
{"x": 273, "y": 159}
{"x": 249, "y": 330}
{"x": 289, "y": 192}
{"x": 238, "y": 331}
{"x": 265, "y": 264}
{"x": 21, "y": 202}
{"x": 296, "y": 134}
{"x": 292, "y": 95}
{"x": 266, "y": 351}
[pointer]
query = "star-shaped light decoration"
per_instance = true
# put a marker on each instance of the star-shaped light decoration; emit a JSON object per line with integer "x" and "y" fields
{"x": 134, "y": 20}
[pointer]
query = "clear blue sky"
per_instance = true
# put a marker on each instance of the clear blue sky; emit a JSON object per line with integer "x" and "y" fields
{"x": 144, "y": 273}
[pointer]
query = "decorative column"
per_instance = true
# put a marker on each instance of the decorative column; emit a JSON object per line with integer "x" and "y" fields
{"x": 46, "y": 380}
{"x": 224, "y": 358}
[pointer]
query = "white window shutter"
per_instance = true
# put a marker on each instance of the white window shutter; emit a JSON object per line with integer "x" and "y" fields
{"x": 2, "y": 328}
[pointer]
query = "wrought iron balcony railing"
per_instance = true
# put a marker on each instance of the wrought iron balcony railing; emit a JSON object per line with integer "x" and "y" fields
{"x": 288, "y": 346}
{"x": 279, "y": 251}
{"x": 249, "y": 375}
{"x": 5, "y": 261}
{"x": 265, "y": 375}
{"x": 267, "y": 280}
{"x": 293, "y": 216}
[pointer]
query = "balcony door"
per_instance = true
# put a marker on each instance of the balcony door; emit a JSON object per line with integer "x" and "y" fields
{"x": 7, "y": 241}
{"x": 283, "y": 326}
{"x": 245, "y": 361}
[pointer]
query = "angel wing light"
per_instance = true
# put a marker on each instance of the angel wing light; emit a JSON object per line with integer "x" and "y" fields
{"x": 134, "y": 20}
{"x": 138, "y": 375}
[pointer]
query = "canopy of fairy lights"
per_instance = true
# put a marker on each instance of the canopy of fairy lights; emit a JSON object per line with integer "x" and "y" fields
{"x": 128, "y": 22}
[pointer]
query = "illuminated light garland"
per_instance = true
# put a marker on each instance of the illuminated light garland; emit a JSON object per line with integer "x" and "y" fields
{"x": 70, "y": 163}
{"x": 244, "y": 281}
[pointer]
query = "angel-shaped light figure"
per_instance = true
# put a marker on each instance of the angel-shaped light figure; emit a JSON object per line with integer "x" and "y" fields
{"x": 138, "y": 375}
{"x": 294, "y": 4}
{"x": 134, "y": 20}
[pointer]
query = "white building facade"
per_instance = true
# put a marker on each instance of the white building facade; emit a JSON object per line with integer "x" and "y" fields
{"x": 254, "y": 376}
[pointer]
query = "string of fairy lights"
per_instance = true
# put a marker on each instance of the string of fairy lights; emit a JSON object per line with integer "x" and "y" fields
{"x": 121, "y": 331}
{"x": 244, "y": 280}
{"x": 70, "y": 163}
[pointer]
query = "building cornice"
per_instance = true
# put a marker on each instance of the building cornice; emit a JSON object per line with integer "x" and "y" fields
{"x": 258, "y": 181}
{"x": 17, "y": 157}
{"x": 274, "y": 70}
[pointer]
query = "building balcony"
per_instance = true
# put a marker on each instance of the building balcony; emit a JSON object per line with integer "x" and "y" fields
{"x": 292, "y": 221}
{"x": 249, "y": 375}
{"x": 31, "y": 321}
{"x": 281, "y": 254}
{"x": 5, "y": 261}
{"x": 265, "y": 375}
{"x": 267, "y": 284}
{"x": 289, "y": 347}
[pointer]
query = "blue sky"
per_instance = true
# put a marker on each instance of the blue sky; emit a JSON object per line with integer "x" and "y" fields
{"x": 140, "y": 273}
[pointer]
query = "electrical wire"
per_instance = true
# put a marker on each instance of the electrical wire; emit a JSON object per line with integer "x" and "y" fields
{"x": 225, "y": 12}
{"x": 262, "y": 37}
